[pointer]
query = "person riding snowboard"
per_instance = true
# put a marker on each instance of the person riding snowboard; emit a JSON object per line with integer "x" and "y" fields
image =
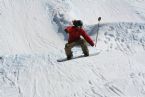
{"x": 75, "y": 32}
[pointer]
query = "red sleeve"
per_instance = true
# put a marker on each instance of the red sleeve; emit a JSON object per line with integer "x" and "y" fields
{"x": 87, "y": 37}
{"x": 67, "y": 29}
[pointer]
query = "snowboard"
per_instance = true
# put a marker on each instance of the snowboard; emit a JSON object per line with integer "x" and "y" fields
{"x": 77, "y": 57}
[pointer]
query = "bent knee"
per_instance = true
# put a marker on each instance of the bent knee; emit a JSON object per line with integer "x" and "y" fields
{"x": 67, "y": 45}
{"x": 82, "y": 41}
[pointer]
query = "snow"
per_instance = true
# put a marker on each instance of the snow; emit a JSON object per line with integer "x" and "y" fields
{"x": 25, "y": 27}
{"x": 32, "y": 39}
{"x": 109, "y": 10}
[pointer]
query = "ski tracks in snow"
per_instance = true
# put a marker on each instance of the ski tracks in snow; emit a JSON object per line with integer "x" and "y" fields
{"x": 41, "y": 75}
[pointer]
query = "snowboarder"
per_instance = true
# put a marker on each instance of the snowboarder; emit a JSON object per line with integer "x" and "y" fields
{"x": 75, "y": 32}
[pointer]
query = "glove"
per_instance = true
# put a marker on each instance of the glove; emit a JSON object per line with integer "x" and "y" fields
{"x": 66, "y": 30}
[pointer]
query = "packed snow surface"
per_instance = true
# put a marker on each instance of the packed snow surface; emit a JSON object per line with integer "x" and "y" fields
{"x": 32, "y": 39}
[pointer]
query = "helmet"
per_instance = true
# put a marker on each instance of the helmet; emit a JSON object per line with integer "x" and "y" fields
{"x": 77, "y": 23}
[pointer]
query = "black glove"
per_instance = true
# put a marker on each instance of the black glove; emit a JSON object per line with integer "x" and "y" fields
{"x": 66, "y": 30}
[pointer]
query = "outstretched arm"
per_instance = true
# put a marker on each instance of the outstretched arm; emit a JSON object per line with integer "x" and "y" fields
{"x": 87, "y": 37}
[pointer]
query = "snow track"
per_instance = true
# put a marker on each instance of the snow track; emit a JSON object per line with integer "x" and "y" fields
{"x": 41, "y": 75}
{"x": 32, "y": 39}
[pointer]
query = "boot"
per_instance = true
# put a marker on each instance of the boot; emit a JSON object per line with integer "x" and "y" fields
{"x": 86, "y": 54}
{"x": 69, "y": 57}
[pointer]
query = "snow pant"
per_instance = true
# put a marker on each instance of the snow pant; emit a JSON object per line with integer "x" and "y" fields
{"x": 80, "y": 42}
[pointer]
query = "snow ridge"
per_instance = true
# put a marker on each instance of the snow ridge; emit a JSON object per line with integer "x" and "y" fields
{"x": 32, "y": 39}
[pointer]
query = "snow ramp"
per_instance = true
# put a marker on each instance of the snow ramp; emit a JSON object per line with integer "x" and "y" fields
{"x": 32, "y": 39}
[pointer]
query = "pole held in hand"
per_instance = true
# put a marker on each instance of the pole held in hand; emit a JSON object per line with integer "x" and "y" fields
{"x": 99, "y": 19}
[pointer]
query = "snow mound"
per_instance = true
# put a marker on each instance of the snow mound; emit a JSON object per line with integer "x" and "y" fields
{"x": 32, "y": 39}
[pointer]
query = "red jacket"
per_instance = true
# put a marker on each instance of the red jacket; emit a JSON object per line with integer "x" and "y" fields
{"x": 75, "y": 33}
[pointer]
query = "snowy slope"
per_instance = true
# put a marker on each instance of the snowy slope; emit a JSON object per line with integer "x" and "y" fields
{"x": 110, "y": 10}
{"x": 25, "y": 27}
{"x": 138, "y": 6}
{"x": 32, "y": 39}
